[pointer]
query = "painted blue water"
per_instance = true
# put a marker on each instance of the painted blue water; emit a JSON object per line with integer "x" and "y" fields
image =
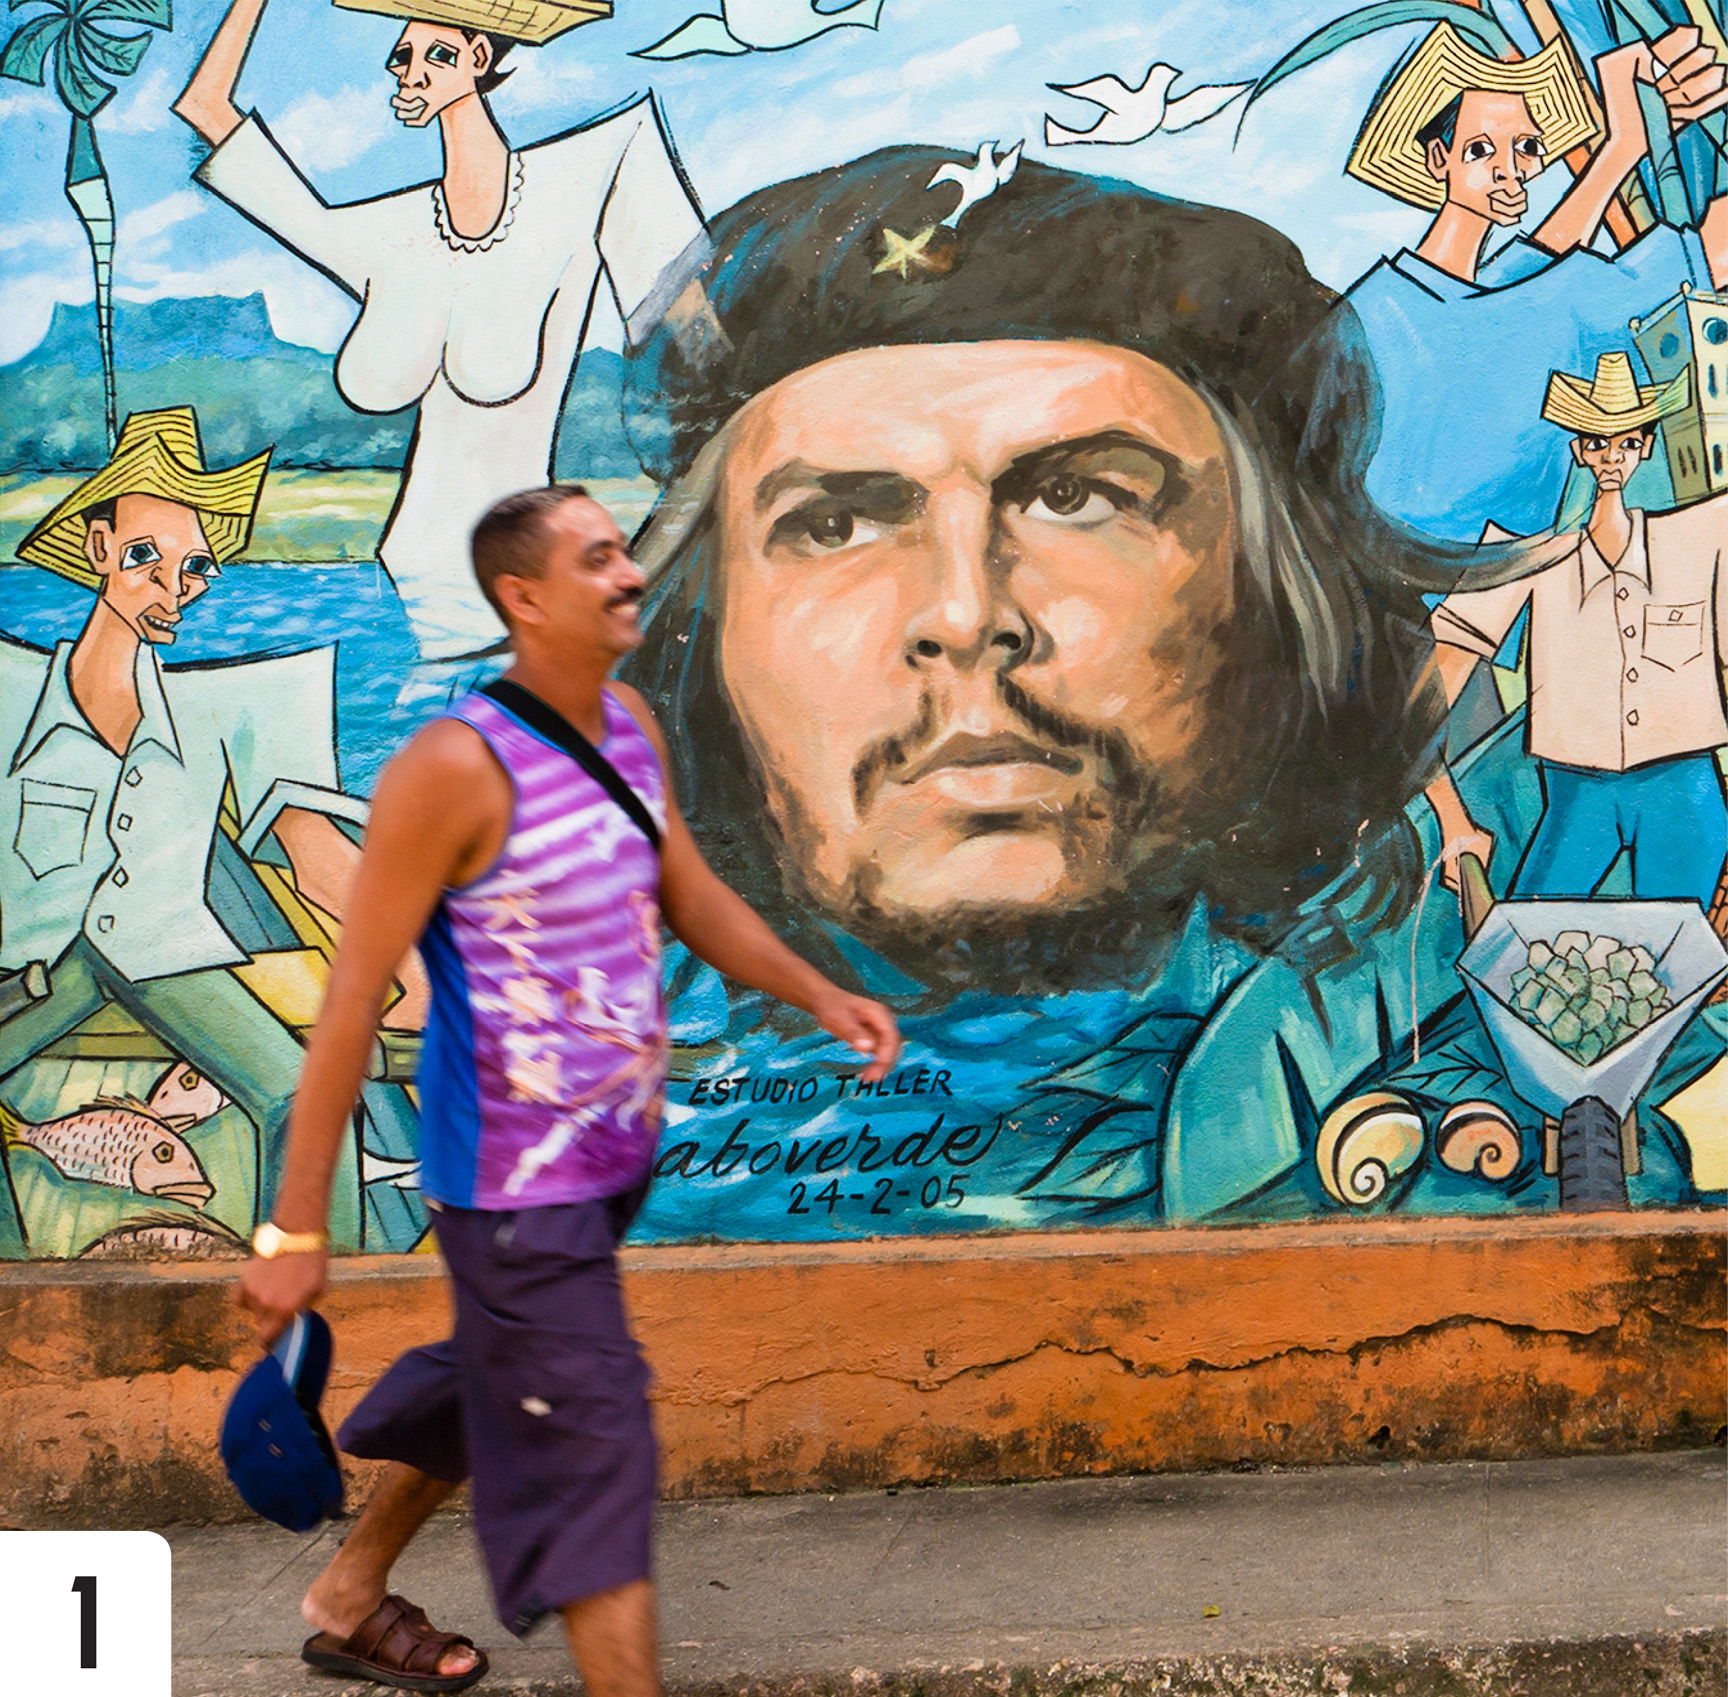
{"x": 256, "y": 609}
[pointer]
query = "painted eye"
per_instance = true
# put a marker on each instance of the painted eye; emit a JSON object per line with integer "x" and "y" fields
{"x": 140, "y": 554}
{"x": 1530, "y": 147}
{"x": 831, "y": 530}
{"x": 201, "y": 565}
{"x": 439, "y": 54}
{"x": 1064, "y": 495}
{"x": 400, "y": 60}
{"x": 1476, "y": 151}
{"x": 188, "y": 1081}
{"x": 163, "y": 1152}
{"x": 1067, "y": 499}
{"x": 820, "y": 528}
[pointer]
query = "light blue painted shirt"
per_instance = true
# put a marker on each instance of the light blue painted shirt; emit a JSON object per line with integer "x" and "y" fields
{"x": 118, "y": 847}
{"x": 1463, "y": 368}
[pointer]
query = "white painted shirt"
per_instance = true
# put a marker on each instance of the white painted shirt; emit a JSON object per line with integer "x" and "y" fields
{"x": 119, "y": 847}
{"x": 1625, "y": 659}
{"x": 481, "y": 334}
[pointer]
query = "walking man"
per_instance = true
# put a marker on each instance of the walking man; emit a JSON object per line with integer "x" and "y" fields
{"x": 536, "y": 894}
{"x": 1627, "y": 639}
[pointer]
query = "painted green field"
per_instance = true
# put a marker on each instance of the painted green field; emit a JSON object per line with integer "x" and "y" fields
{"x": 306, "y": 515}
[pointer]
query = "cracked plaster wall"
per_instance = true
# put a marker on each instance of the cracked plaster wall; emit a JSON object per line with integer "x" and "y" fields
{"x": 866, "y": 1365}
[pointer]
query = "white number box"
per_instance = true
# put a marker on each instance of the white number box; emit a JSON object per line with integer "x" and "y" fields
{"x": 87, "y": 1614}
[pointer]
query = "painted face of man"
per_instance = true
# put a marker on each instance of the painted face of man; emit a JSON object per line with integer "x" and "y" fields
{"x": 972, "y": 598}
{"x": 434, "y": 66}
{"x": 1611, "y": 460}
{"x": 1495, "y": 150}
{"x": 154, "y": 560}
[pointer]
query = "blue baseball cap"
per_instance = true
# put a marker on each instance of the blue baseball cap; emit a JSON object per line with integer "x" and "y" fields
{"x": 275, "y": 1444}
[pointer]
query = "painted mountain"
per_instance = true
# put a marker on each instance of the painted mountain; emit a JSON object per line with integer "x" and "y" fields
{"x": 250, "y": 388}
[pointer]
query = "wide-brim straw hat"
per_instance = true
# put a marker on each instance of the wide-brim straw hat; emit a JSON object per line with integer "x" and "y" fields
{"x": 532, "y": 21}
{"x": 158, "y": 454}
{"x": 1613, "y": 400}
{"x": 1387, "y": 153}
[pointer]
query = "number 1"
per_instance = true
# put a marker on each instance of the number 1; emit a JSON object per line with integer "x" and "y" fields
{"x": 85, "y": 1586}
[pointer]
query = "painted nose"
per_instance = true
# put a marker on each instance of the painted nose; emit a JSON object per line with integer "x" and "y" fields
{"x": 969, "y": 614}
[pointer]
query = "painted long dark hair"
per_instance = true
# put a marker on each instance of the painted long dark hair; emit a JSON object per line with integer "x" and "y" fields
{"x": 1329, "y": 709}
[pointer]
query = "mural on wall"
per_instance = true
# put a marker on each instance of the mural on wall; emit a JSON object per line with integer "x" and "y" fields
{"x": 1203, "y": 587}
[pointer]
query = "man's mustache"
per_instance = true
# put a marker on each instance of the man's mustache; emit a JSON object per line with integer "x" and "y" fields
{"x": 1049, "y": 730}
{"x": 628, "y": 598}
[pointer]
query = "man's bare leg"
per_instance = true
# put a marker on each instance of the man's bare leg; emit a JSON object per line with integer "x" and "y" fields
{"x": 615, "y": 1640}
{"x": 355, "y": 1582}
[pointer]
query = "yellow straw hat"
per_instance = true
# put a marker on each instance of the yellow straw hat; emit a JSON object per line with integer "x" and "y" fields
{"x": 1613, "y": 400}
{"x": 158, "y": 454}
{"x": 1387, "y": 153}
{"x": 531, "y": 21}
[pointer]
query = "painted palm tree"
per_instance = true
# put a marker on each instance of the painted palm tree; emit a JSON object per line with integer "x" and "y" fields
{"x": 84, "y": 53}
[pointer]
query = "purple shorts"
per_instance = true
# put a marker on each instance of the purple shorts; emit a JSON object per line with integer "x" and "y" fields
{"x": 541, "y": 1396}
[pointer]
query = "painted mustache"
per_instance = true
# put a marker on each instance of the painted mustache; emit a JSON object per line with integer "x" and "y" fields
{"x": 1036, "y": 733}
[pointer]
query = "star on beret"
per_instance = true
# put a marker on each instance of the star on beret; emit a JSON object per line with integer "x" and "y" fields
{"x": 902, "y": 253}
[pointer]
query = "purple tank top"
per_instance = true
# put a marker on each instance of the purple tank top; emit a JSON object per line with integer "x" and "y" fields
{"x": 542, "y": 1075}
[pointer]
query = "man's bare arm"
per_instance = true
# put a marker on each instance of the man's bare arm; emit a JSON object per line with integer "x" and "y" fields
{"x": 207, "y": 102}
{"x": 1691, "y": 83}
{"x": 1459, "y": 833}
{"x": 440, "y": 809}
{"x": 715, "y": 923}
{"x": 325, "y": 862}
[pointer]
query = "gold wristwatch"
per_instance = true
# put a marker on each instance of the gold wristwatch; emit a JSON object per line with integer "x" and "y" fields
{"x": 270, "y": 1240}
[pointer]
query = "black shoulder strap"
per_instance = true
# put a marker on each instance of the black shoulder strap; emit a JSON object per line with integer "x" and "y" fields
{"x": 556, "y": 729}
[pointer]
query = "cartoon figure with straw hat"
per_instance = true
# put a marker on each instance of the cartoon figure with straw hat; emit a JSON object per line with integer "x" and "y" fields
{"x": 475, "y": 289}
{"x": 1627, "y": 638}
{"x": 1463, "y": 339}
{"x": 118, "y": 775}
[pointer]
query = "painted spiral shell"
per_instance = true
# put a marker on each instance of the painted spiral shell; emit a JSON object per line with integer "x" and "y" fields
{"x": 1480, "y": 1138}
{"x": 1365, "y": 1143}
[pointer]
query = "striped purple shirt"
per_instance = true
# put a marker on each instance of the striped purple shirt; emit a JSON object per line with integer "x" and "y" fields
{"x": 542, "y": 1076}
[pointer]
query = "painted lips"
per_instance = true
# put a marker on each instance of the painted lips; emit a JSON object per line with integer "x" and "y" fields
{"x": 992, "y": 771}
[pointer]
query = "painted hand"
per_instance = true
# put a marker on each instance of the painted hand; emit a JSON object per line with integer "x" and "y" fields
{"x": 868, "y": 1026}
{"x": 1621, "y": 71}
{"x": 408, "y": 1011}
{"x": 274, "y": 1291}
{"x": 1471, "y": 839}
{"x": 1692, "y": 79}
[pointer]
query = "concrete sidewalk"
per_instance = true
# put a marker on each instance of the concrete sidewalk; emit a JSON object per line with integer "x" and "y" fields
{"x": 1605, "y": 1575}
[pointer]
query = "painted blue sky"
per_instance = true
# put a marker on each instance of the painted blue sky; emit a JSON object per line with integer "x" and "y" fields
{"x": 954, "y": 72}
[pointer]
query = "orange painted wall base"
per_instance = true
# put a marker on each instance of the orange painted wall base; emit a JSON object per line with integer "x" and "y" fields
{"x": 787, "y": 1368}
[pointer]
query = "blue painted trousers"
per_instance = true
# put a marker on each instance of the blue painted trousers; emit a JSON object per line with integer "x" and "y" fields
{"x": 1671, "y": 815}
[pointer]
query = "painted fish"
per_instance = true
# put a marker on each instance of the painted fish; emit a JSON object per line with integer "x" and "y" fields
{"x": 177, "y": 1239}
{"x": 183, "y": 1096}
{"x": 120, "y": 1144}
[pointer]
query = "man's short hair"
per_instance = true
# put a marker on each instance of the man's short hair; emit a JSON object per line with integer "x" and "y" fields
{"x": 510, "y": 540}
{"x": 1647, "y": 431}
{"x": 1443, "y": 126}
{"x": 104, "y": 512}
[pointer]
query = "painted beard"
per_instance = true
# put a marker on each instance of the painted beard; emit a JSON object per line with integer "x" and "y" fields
{"x": 1121, "y": 839}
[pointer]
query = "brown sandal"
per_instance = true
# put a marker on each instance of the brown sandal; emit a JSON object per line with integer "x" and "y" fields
{"x": 394, "y": 1645}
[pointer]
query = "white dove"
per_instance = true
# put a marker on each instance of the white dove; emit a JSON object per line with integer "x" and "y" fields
{"x": 977, "y": 182}
{"x": 1133, "y": 114}
{"x": 764, "y": 26}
